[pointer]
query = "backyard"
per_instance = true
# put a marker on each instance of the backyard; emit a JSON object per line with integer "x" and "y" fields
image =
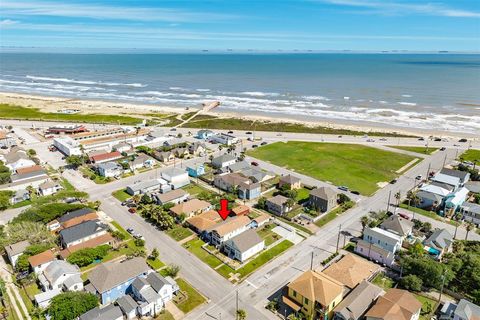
{"x": 356, "y": 166}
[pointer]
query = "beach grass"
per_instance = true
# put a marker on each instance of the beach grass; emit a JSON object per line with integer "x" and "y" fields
{"x": 250, "y": 125}
{"x": 355, "y": 166}
{"x": 471, "y": 155}
{"x": 8, "y": 111}
{"x": 421, "y": 150}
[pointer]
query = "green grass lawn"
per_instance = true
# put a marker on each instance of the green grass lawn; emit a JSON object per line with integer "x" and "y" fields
{"x": 259, "y": 261}
{"x": 470, "y": 155}
{"x": 426, "y": 213}
{"x": 194, "y": 298}
{"x": 165, "y": 315}
{"x": 422, "y": 150}
{"x": 383, "y": 281}
{"x": 356, "y": 166}
{"x": 121, "y": 195}
{"x": 302, "y": 194}
{"x": 119, "y": 228}
{"x": 179, "y": 233}
{"x": 195, "y": 247}
{"x": 155, "y": 264}
{"x": 333, "y": 214}
{"x": 90, "y": 174}
{"x": 428, "y": 306}
{"x": 194, "y": 189}
{"x": 268, "y": 235}
{"x": 8, "y": 111}
{"x": 295, "y": 225}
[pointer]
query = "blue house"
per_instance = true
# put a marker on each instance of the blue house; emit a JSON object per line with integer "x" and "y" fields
{"x": 204, "y": 134}
{"x": 249, "y": 191}
{"x": 112, "y": 280}
{"x": 196, "y": 170}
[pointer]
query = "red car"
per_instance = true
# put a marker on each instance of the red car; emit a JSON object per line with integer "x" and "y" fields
{"x": 253, "y": 163}
{"x": 132, "y": 210}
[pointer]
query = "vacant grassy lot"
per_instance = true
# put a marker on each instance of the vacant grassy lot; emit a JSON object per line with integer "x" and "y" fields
{"x": 194, "y": 299}
{"x": 471, "y": 155}
{"x": 334, "y": 213}
{"x": 383, "y": 281}
{"x": 195, "y": 247}
{"x": 356, "y": 166}
{"x": 179, "y": 233}
{"x": 422, "y": 150}
{"x": 121, "y": 195}
{"x": 8, "y": 111}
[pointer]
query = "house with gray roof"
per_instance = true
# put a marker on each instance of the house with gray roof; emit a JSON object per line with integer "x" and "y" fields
{"x": 109, "y": 169}
{"x": 176, "y": 177}
{"x": 466, "y": 311}
{"x": 439, "y": 243}
{"x": 223, "y": 161}
{"x": 354, "y": 306}
{"x": 471, "y": 212}
{"x": 112, "y": 280}
{"x": 238, "y": 166}
{"x": 82, "y": 232}
{"x": 19, "y": 196}
{"x": 110, "y": 312}
{"x": 323, "y": 199}
{"x": 175, "y": 196}
{"x": 15, "y": 250}
{"x": 49, "y": 187}
{"x": 244, "y": 246}
{"x": 60, "y": 274}
{"x": 292, "y": 181}
{"x": 398, "y": 225}
{"x": 464, "y": 176}
{"x": 148, "y": 186}
{"x": 129, "y": 306}
{"x": 278, "y": 205}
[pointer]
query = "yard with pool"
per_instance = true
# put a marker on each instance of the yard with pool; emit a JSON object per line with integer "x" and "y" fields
{"x": 358, "y": 167}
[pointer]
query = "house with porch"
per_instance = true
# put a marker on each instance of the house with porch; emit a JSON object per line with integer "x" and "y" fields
{"x": 291, "y": 181}
{"x": 323, "y": 199}
{"x": 278, "y": 205}
{"x": 228, "y": 229}
{"x": 244, "y": 246}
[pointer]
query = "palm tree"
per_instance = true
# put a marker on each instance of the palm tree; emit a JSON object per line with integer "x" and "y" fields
{"x": 469, "y": 226}
{"x": 241, "y": 314}
{"x": 398, "y": 195}
{"x": 364, "y": 220}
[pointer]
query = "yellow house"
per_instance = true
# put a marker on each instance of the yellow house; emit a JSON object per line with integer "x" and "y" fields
{"x": 314, "y": 294}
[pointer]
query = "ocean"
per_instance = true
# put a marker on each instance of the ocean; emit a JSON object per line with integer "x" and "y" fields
{"x": 429, "y": 91}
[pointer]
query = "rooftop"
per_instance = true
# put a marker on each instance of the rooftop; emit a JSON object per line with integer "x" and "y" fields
{"x": 396, "y": 304}
{"x": 246, "y": 240}
{"x": 324, "y": 193}
{"x": 398, "y": 225}
{"x": 16, "y": 248}
{"x": 289, "y": 179}
{"x": 41, "y": 258}
{"x": 230, "y": 225}
{"x": 190, "y": 206}
{"x": 359, "y": 300}
{"x": 171, "y": 195}
{"x": 82, "y": 230}
{"x": 205, "y": 220}
{"x": 317, "y": 287}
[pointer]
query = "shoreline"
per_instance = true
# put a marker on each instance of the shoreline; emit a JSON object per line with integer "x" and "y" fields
{"x": 51, "y": 104}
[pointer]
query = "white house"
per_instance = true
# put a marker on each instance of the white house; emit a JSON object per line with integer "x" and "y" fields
{"x": 379, "y": 245}
{"x": 223, "y": 161}
{"x": 176, "y": 177}
{"x": 41, "y": 261}
{"x": 229, "y": 229}
{"x": 109, "y": 169}
{"x": 148, "y": 186}
{"x": 223, "y": 138}
{"x": 82, "y": 232}
{"x": 14, "y": 251}
{"x": 471, "y": 212}
{"x": 67, "y": 146}
{"x": 244, "y": 246}
{"x": 17, "y": 159}
{"x": 152, "y": 293}
{"x": 61, "y": 275}
{"x": 142, "y": 161}
{"x": 49, "y": 187}
{"x": 466, "y": 310}
{"x": 175, "y": 196}
{"x": 43, "y": 299}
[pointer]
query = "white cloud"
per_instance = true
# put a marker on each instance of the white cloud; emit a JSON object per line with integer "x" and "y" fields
{"x": 106, "y": 12}
{"x": 395, "y": 8}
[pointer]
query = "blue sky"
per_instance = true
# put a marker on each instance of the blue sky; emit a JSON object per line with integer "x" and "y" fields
{"x": 243, "y": 24}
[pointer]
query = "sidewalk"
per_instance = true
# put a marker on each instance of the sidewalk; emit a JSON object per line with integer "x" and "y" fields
{"x": 12, "y": 292}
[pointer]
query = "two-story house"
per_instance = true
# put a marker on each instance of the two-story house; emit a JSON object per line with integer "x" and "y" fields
{"x": 395, "y": 304}
{"x": 228, "y": 229}
{"x": 278, "y": 205}
{"x": 244, "y": 246}
{"x": 191, "y": 208}
{"x": 314, "y": 294}
{"x": 379, "y": 245}
{"x": 61, "y": 275}
{"x": 82, "y": 232}
{"x": 323, "y": 199}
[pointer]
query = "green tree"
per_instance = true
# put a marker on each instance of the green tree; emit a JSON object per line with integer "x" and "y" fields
{"x": 469, "y": 227}
{"x": 74, "y": 161}
{"x": 70, "y": 305}
{"x": 262, "y": 203}
{"x": 139, "y": 242}
{"x": 365, "y": 220}
{"x": 241, "y": 314}
{"x": 154, "y": 254}
{"x": 34, "y": 232}
{"x": 172, "y": 270}
{"x": 411, "y": 282}
{"x": 416, "y": 250}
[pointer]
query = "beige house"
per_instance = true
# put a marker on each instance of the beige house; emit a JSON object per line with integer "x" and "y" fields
{"x": 191, "y": 208}
{"x": 396, "y": 304}
{"x": 293, "y": 182}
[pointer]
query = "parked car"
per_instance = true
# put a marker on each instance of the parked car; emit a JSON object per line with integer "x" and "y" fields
{"x": 404, "y": 216}
{"x": 230, "y": 132}
{"x": 393, "y": 181}
{"x": 253, "y": 163}
{"x": 442, "y": 149}
{"x": 248, "y": 132}
{"x": 173, "y": 129}
{"x": 383, "y": 139}
{"x": 421, "y": 139}
{"x": 370, "y": 140}
{"x": 263, "y": 143}
{"x": 437, "y": 139}
{"x": 70, "y": 200}
{"x": 130, "y": 230}
{"x": 343, "y": 188}
{"x": 462, "y": 140}
{"x": 132, "y": 210}
{"x": 137, "y": 236}
{"x": 340, "y": 136}
{"x": 355, "y": 192}
{"x": 419, "y": 177}
{"x": 254, "y": 146}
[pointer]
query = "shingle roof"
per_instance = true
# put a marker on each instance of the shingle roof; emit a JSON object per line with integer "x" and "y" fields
{"x": 110, "y": 274}
{"x": 109, "y": 312}
{"x": 29, "y": 169}
{"x": 289, "y": 179}
{"x": 454, "y": 173}
{"x": 205, "y": 220}
{"x": 28, "y": 175}
{"x": 48, "y": 185}
{"x": 17, "y": 248}
{"x": 397, "y": 224}
{"x": 224, "y": 158}
{"x": 109, "y": 165}
{"x": 231, "y": 224}
{"x": 171, "y": 195}
{"x": 246, "y": 240}
{"x": 41, "y": 258}
{"x": 127, "y": 304}
{"x": 324, "y": 193}
{"x": 75, "y": 214}
{"x": 467, "y": 310}
{"x": 317, "y": 287}
{"x": 396, "y": 304}
{"x": 157, "y": 281}
{"x": 440, "y": 239}
{"x": 105, "y": 156}
{"x": 358, "y": 301}
{"x": 278, "y": 200}
{"x": 190, "y": 206}
{"x": 81, "y": 230}
{"x": 58, "y": 268}
{"x": 351, "y": 270}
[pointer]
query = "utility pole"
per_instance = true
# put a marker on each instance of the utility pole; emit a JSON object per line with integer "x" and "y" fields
{"x": 311, "y": 262}
{"x": 428, "y": 171}
{"x": 338, "y": 238}
{"x": 456, "y": 227}
{"x": 444, "y": 160}
{"x": 388, "y": 202}
{"x": 441, "y": 289}
{"x": 236, "y": 313}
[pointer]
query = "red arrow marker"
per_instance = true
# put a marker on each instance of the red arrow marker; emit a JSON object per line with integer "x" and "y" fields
{"x": 223, "y": 212}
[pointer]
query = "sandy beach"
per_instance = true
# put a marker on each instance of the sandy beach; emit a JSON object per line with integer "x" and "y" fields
{"x": 54, "y": 104}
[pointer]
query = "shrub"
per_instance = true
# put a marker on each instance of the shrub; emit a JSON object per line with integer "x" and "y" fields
{"x": 411, "y": 282}
{"x": 70, "y": 305}
{"x": 172, "y": 270}
{"x": 86, "y": 256}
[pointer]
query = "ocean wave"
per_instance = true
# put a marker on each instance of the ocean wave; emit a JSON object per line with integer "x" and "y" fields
{"x": 260, "y": 94}
{"x": 321, "y": 98}
{"x": 410, "y": 104}
{"x": 202, "y": 90}
{"x": 406, "y": 95}
{"x": 135, "y": 85}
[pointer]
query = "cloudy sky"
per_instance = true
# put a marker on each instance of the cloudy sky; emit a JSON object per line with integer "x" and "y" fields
{"x": 243, "y": 24}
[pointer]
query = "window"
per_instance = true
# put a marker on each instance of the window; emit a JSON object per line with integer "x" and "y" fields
{"x": 305, "y": 301}
{"x": 294, "y": 294}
